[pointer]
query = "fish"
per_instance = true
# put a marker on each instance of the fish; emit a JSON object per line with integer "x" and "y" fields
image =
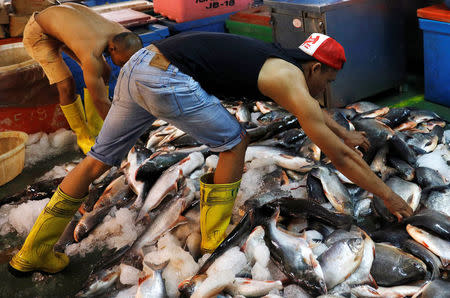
{"x": 294, "y": 257}
{"x": 436, "y": 289}
{"x": 395, "y": 116}
{"x": 345, "y": 254}
{"x": 298, "y": 207}
{"x": 394, "y": 234}
{"x": 392, "y": 266}
{"x": 97, "y": 188}
{"x": 363, "y": 106}
{"x": 116, "y": 194}
{"x": 159, "y": 134}
{"x": 153, "y": 285}
{"x": 408, "y": 125}
{"x": 100, "y": 282}
{"x": 252, "y": 288}
{"x": 189, "y": 286}
{"x": 168, "y": 181}
{"x": 376, "y": 132}
{"x": 379, "y": 112}
{"x": 439, "y": 199}
{"x": 408, "y": 191}
{"x": 431, "y": 220}
{"x": 136, "y": 156}
{"x": 273, "y": 116}
{"x": 242, "y": 114}
{"x": 341, "y": 117}
{"x": 421, "y": 142}
{"x": 36, "y": 191}
{"x": 341, "y": 234}
{"x": 420, "y": 116}
{"x": 185, "y": 141}
{"x": 67, "y": 237}
{"x": 404, "y": 170}
{"x": 391, "y": 292}
{"x": 334, "y": 190}
{"x": 433, "y": 263}
{"x": 362, "y": 273}
{"x": 266, "y": 106}
{"x": 438, "y": 246}
{"x": 400, "y": 148}
{"x": 168, "y": 218}
{"x": 427, "y": 177}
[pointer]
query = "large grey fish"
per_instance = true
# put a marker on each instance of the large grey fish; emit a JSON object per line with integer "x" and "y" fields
{"x": 363, "y": 106}
{"x": 97, "y": 188}
{"x": 438, "y": 246}
{"x": 185, "y": 141}
{"x": 67, "y": 236}
{"x": 168, "y": 181}
{"x": 252, "y": 288}
{"x": 153, "y": 285}
{"x": 423, "y": 143}
{"x": 395, "y": 116}
{"x": 335, "y": 191}
{"x": 339, "y": 116}
{"x": 427, "y": 177}
{"x": 394, "y": 234}
{"x": 431, "y": 220}
{"x": 362, "y": 274}
{"x": 100, "y": 282}
{"x": 439, "y": 199}
{"x": 253, "y": 244}
{"x": 136, "y": 156}
{"x": 392, "y": 266}
{"x": 436, "y": 289}
{"x": 261, "y": 199}
{"x": 116, "y": 194}
{"x": 400, "y": 148}
{"x": 344, "y": 254}
{"x": 169, "y": 217}
{"x": 294, "y": 257}
{"x": 408, "y": 191}
{"x": 405, "y": 171}
{"x": 377, "y": 133}
{"x": 420, "y": 116}
{"x": 273, "y": 116}
{"x": 433, "y": 263}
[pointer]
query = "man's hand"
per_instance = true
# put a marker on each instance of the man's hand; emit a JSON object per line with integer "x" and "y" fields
{"x": 356, "y": 138}
{"x": 398, "y": 206}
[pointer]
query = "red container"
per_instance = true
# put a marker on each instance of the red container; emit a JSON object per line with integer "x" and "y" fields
{"x": 188, "y": 10}
{"x": 438, "y": 12}
{"x": 257, "y": 16}
{"x": 48, "y": 118}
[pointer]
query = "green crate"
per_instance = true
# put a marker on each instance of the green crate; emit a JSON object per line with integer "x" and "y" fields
{"x": 263, "y": 33}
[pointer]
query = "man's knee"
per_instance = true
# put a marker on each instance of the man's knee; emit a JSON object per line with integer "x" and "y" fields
{"x": 242, "y": 146}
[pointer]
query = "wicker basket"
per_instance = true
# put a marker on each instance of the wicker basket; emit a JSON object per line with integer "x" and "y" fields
{"x": 12, "y": 154}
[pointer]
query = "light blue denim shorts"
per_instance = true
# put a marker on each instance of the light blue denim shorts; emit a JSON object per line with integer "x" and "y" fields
{"x": 144, "y": 93}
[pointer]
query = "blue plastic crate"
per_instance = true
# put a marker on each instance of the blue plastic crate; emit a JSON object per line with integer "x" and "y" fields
{"x": 211, "y": 24}
{"x": 436, "y": 44}
{"x": 148, "y": 34}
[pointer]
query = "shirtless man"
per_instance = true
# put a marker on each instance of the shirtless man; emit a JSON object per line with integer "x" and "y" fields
{"x": 174, "y": 80}
{"x": 84, "y": 35}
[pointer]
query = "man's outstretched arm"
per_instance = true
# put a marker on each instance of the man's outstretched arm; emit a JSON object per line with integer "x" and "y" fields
{"x": 286, "y": 85}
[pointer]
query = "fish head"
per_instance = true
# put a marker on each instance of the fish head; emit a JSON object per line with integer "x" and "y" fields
{"x": 355, "y": 244}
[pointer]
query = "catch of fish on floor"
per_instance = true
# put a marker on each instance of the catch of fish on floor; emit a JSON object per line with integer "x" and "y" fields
{"x": 299, "y": 228}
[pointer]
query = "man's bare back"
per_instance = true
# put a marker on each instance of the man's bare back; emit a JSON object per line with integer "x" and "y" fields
{"x": 82, "y": 30}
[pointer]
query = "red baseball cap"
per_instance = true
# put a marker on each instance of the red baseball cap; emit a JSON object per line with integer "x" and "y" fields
{"x": 325, "y": 49}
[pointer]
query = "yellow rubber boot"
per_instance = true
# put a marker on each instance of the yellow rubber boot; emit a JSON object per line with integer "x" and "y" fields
{"x": 37, "y": 252}
{"x": 94, "y": 121}
{"x": 216, "y": 206}
{"x": 74, "y": 113}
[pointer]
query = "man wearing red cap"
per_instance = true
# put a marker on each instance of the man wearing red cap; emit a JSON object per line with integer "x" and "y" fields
{"x": 175, "y": 80}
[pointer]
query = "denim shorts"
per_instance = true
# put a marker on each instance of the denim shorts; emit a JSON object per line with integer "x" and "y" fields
{"x": 144, "y": 93}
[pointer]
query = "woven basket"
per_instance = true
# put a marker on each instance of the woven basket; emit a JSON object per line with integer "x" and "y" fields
{"x": 12, "y": 154}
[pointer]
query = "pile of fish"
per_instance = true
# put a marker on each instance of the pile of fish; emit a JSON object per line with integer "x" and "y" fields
{"x": 299, "y": 228}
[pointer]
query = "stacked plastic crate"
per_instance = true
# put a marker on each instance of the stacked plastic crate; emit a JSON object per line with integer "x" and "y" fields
{"x": 254, "y": 22}
{"x": 197, "y": 15}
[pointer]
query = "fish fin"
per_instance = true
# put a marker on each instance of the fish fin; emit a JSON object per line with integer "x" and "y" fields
{"x": 157, "y": 267}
